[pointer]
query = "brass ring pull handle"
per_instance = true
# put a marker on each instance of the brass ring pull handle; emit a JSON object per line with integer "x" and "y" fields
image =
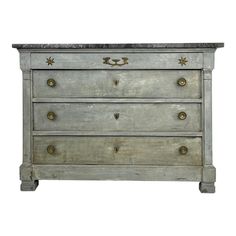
{"x": 116, "y": 82}
{"x": 181, "y": 82}
{"x": 183, "y": 150}
{"x": 116, "y": 115}
{"x": 116, "y": 149}
{"x": 115, "y": 62}
{"x": 182, "y": 115}
{"x": 51, "y": 83}
{"x": 51, "y": 115}
{"x": 51, "y": 149}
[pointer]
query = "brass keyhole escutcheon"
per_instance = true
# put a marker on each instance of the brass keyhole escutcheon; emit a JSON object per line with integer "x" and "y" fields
{"x": 116, "y": 149}
{"x": 116, "y": 115}
{"x": 183, "y": 150}
{"x": 51, "y": 83}
{"x": 51, "y": 115}
{"x": 116, "y": 82}
{"x": 182, "y": 115}
{"x": 182, "y": 82}
{"x": 51, "y": 149}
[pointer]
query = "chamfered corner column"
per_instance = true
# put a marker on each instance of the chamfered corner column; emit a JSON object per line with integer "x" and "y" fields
{"x": 207, "y": 184}
{"x": 28, "y": 183}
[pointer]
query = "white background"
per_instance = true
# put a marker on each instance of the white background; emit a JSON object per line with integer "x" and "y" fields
{"x": 105, "y": 208}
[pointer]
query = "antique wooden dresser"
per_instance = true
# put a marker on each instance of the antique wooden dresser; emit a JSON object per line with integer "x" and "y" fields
{"x": 117, "y": 112}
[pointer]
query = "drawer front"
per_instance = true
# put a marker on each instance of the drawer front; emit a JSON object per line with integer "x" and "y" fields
{"x": 116, "y": 60}
{"x": 117, "y": 150}
{"x": 128, "y": 83}
{"x": 116, "y": 117}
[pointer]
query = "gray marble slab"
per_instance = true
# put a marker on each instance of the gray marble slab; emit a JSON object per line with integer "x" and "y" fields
{"x": 118, "y": 46}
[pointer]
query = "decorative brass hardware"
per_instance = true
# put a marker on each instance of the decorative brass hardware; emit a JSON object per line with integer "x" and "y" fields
{"x": 50, "y": 61}
{"x": 51, "y": 149}
{"x": 116, "y": 149}
{"x": 116, "y": 115}
{"x": 183, "y": 150}
{"x": 116, "y": 82}
{"x": 181, "y": 82}
{"x": 51, "y": 115}
{"x": 182, "y": 115}
{"x": 115, "y": 62}
{"x": 51, "y": 83}
{"x": 183, "y": 61}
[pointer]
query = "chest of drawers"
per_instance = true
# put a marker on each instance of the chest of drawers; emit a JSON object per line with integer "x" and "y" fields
{"x": 117, "y": 112}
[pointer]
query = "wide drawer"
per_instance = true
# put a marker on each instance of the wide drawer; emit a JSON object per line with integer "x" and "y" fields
{"x": 117, "y": 117}
{"x": 116, "y": 60}
{"x": 117, "y": 150}
{"x": 125, "y": 83}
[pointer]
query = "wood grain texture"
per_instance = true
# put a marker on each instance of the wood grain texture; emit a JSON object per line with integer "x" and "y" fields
{"x": 115, "y": 83}
{"x": 118, "y": 150}
{"x": 120, "y": 133}
{"x": 115, "y": 172}
{"x": 132, "y": 117}
{"x": 135, "y": 60}
{"x": 118, "y": 100}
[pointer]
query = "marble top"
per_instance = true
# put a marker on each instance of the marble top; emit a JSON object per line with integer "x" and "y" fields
{"x": 118, "y": 46}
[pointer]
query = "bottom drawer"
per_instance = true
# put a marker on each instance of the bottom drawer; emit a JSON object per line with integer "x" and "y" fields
{"x": 117, "y": 150}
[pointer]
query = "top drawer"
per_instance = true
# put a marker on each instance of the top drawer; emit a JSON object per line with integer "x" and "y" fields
{"x": 116, "y": 60}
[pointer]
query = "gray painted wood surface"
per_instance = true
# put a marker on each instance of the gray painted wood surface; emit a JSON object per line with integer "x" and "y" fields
{"x": 135, "y": 60}
{"x": 128, "y": 83}
{"x": 132, "y": 117}
{"x": 118, "y": 134}
{"x": 118, "y": 172}
{"x": 117, "y": 150}
{"x": 146, "y": 97}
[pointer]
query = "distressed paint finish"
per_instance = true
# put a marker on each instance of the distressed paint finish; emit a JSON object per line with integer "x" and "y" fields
{"x": 117, "y": 150}
{"x": 118, "y": 172}
{"x": 116, "y": 83}
{"x": 135, "y": 60}
{"x": 147, "y": 133}
{"x": 132, "y": 117}
{"x": 26, "y": 170}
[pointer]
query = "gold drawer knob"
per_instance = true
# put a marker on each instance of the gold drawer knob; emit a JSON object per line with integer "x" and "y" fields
{"x": 183, "y": 150}
{"x": 51, "y": 115}
{"x": 117, "y": 115}
{"x": 51, "y": 83}
{"x": 182, "y": 115}
{"x": 51, "y": 149}
{"x": 181, "y": 82}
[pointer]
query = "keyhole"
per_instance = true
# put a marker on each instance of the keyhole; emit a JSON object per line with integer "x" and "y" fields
{"x": 116, "y": 149}
{"x": 116, "y": 115}
{"x": 116, "y": 82}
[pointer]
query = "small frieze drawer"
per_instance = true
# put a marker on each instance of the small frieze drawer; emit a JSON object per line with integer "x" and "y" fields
{"x": 117, "y": 150}
{"x": 116, "y": 60}
{"x": 117, "y": 117}
{"x": 109, "y": 84}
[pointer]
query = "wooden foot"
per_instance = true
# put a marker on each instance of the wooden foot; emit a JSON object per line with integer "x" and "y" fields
{"x": 29, "y": 185}
{"x": 207, "y": 187}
